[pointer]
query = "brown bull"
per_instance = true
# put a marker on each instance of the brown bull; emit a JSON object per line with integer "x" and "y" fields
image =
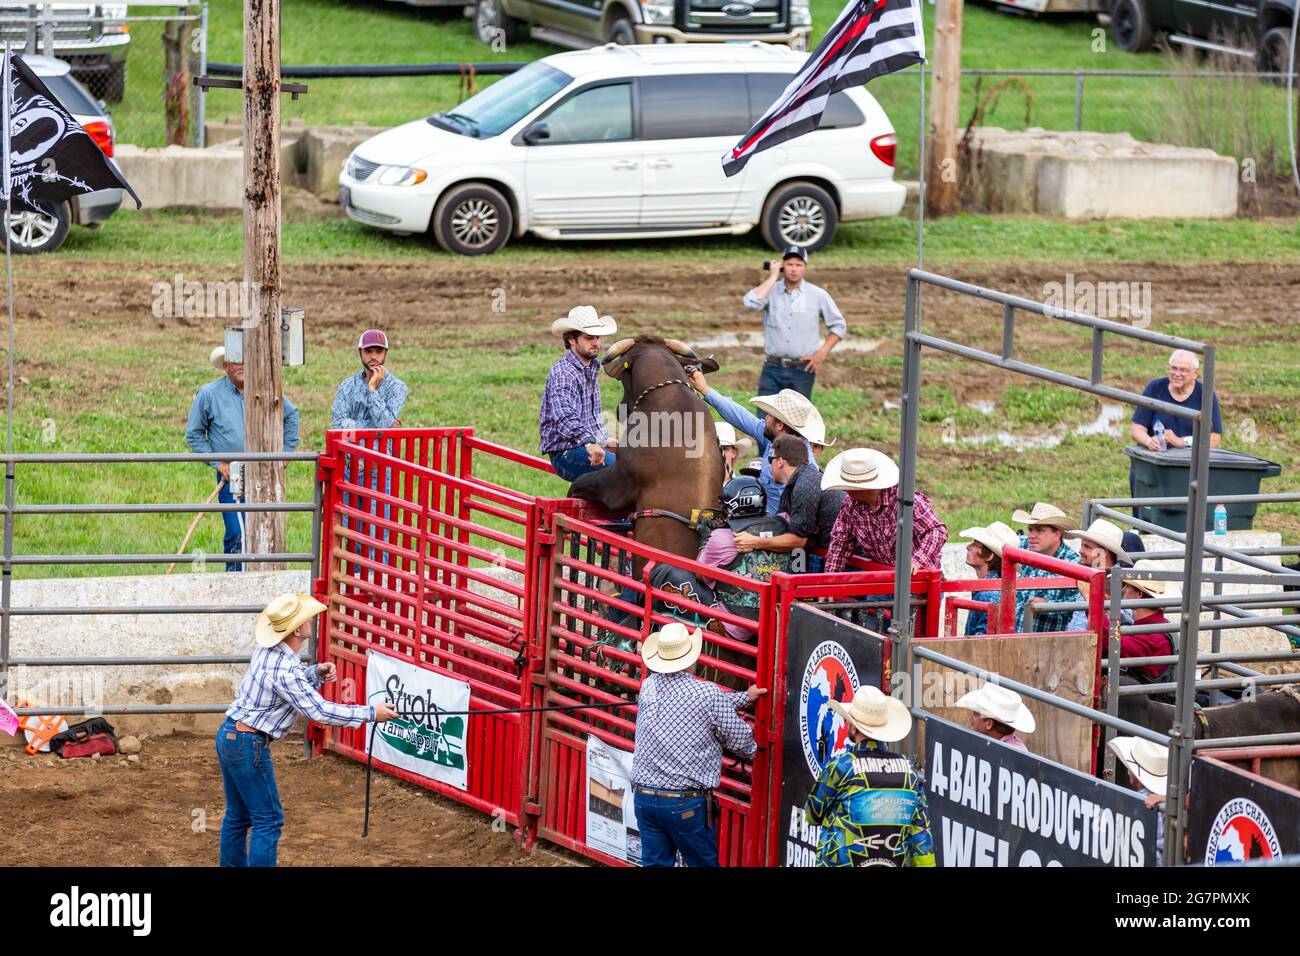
{"x": 669, "y": 459}
{"x": 1275, "y": 712}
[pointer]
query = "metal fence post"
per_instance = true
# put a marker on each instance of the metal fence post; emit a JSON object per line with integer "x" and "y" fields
{"x": 312, "y": 644}
{"x": 6, "y": 580}
{"x": 202, "y": 138}
{"x": 901, "y": 626}
{"x": 1112, "y": 669}
{"x": 1078, "y": 99}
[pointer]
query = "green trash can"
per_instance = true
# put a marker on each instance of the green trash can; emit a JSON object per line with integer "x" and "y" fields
{"x": 1164, "y": 474}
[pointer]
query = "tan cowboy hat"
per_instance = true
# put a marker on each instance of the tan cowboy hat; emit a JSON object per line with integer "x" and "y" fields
{"x": 994, "y": 537}
{"x": 584, "y": 319}
{"x": 218, "y": 358}
{"x": 814, "y": 429}
{"x": 860, "y": 469}
{"x": 876, "y": 714}
{"x": 728, "y": 438}
{"x": 672, "y": 649}
{"x": 1001, "y": 704}
{"x": 1044, "y": 514}
{"x": 1155, "y": 588}
{"x": 1104, "y": 535}
{"x": 283, "y": 616}
{"x": 787, "y": 406}
{"x": 1146, "y": 760}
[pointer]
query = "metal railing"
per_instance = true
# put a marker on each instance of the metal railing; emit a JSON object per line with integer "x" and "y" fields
{"x": 11, "y": 510}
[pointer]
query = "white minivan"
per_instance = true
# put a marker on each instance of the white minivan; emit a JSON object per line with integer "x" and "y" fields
{"x": 626, "y": 142}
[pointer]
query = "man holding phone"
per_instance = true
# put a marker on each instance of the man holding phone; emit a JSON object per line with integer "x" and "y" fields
{"x": 792, "y": 313}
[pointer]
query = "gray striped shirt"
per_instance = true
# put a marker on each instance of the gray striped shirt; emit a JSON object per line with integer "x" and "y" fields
{"x": 792, "y": 320}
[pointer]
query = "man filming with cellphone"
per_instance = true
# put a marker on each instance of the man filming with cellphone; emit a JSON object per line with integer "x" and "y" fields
{"x": 793, "y": 310}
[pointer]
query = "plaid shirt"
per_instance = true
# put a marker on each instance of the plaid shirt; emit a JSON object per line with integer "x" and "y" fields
{"x": 570, "y": 413}
{"x": 682, "y": 725}
{"x": 278, "y": 687}
{"x": 870, "y": 805}
{"x": 874, "y": 532}
{"x": 1050, "y": 620}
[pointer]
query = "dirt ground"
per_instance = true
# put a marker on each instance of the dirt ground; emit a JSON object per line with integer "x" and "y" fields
{"x": 165, "y": 810}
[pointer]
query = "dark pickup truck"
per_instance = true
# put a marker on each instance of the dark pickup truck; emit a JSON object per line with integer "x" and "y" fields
{"x": 1260, "y": 29}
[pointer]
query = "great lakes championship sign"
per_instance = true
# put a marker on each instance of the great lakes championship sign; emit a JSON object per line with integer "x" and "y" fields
{"x": 422, "y": 742}
{"x": 1238, "y": 816}
{"x": 995, "y": 805}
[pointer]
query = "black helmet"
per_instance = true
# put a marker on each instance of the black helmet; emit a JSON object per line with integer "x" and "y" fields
{"x": 744, "y": 497}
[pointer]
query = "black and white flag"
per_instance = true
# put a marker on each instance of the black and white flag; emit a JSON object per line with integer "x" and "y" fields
{"x": 47, "y": 157}
{"x": 870, "y": 37}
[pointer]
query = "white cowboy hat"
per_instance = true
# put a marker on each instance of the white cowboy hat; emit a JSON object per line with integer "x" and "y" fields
{"x": 860, "y": 469}
{"x": 876, "y": 714}
{"x": 1104, "y": 535}
{"x": 728, "y": 438}
{"x": 1155, "y": 588}
{"x": 1044, "y": 514}
{"x": 787, "y": 406}
{"x": 1000, "y": 704}
{"x": 994, "y": 537}
{"x": 1147, "y": 761}
{"x": 283, "y": 616}
{"x": 218, "y": 358}
{"x": 814, "y": 429}
{"x": 672, "y": 649}
{"x": 584, "y": 319}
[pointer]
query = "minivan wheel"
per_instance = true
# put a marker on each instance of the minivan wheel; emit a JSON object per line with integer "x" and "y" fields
{"x": 1272, "y": 56}
{"x": 622, "y": 32}
{"x": 799, "y": 214}
{"x": 34, "y": 232}
{"x": 472, "y": 219}
{"x": 1130, "y": 25}
{"x": 491, "y": 22}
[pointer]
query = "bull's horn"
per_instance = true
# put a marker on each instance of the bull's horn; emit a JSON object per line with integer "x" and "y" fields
{"x": 680, "y": 348}
{"x": 617, "y": 349}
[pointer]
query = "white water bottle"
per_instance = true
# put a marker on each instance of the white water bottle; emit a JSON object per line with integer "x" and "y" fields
{"x": 1159, "y": 432}
{"x": 1220, "y": 519}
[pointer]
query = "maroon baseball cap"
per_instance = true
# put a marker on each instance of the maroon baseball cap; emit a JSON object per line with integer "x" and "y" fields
{"x": 372, "y": 338}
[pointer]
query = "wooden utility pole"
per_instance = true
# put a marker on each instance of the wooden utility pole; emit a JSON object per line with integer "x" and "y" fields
{"x": 941, "y": 195}
{"x": 263, "y": 382}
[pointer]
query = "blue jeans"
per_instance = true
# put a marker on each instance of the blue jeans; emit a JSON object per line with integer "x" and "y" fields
{"x": 233, "y": 543}
{"x": 574, "y": 463}
{"x": 670, "y": 824}
{"x": 774, "y": 377}
{"x": 252, "y": 798}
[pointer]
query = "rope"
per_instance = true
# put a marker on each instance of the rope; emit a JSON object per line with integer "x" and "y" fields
{"x": 374, "y": 725}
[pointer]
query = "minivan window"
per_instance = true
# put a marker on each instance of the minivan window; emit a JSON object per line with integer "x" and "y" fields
{"x": 498, "y": 107}
{"x": 680, "y": 107}
{"x": 71, "y": 95}
{"x": 766, "y": 88}
{"x": 597, "y": 114}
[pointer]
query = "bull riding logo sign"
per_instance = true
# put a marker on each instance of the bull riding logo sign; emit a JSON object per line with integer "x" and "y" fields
{"x": 1241, "y": 832}
{"x": 829, "y": 675}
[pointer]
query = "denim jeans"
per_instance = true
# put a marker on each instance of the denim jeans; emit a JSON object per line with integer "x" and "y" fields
{"x": 670, "y": 824}
{"x": 574, "y": 463}
{"x": 252, "y": 798}
{"x": 233, "y": 543}
{"x": 774, "y": 377}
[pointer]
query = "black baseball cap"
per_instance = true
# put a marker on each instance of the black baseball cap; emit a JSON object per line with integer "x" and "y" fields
{"x": 798, "y": 251}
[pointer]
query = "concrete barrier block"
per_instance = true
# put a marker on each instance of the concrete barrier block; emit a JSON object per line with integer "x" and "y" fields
{"x": 323, "y": 151}
{"x": 210, "y": 178}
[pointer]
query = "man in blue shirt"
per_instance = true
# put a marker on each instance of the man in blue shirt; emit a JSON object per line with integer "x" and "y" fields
{"x": 786, "y": 412}
{"x": 1180, "y": 387}
{"x": 216, "y": 424}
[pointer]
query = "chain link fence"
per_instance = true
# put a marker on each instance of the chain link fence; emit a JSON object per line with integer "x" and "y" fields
{"x": 139, "y": 58}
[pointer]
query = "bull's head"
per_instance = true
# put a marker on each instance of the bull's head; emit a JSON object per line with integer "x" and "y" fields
{"x": 617, "y": 359}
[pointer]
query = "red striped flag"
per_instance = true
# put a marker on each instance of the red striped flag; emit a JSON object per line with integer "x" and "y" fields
{"x": 869, "y": 38}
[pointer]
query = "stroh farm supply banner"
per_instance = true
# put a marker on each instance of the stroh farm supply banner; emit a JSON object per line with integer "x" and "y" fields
{"x": 1237, "y": 816}
{"x": 422, "y": 742}
{"x": 611, "y": 815}
{"x": 995, "y": 805}
{"x": 826, "y": 659}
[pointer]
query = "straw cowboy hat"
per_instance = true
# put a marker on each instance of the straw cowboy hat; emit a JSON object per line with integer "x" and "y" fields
{"x": 1147, "y": 761}
{"x": 796, "y": 412}
{"x": 1153, "y": 588}
{"x": 1104, "y": 535}
{"x": 218, "y": 358}
{"x": 860, "y": 469}
{"x": 994, "y": 537}
{"x": 672, "y": 649}
{"x": 283, "y": 616}
{"x": 728, "y": 438}
{"x": 1044, "y": 514}
{"x": 584, "y": 319}
{"x": 1000, "y": 704}
{"x": 876, "y": 714}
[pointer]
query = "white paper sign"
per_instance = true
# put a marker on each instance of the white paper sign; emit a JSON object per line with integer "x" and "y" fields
{"x": 611, "y": 818}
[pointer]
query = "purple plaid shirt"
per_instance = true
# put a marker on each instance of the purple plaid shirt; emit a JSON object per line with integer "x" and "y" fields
{"x": 874, "y": 532}
{"x": 682, "y": 725}
{"x": 570, "y": 414}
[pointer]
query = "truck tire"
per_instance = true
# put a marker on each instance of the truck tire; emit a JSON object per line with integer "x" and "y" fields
{"x": 472, "y": 219}
{"x": 491, "y": 22}
{"x": 622, "y": 32}
{"x": 1271, "y": 57}
{"x": 31, "y": 232}
{"x": 1130, "y": 25}
{"x": 799, "y": 214}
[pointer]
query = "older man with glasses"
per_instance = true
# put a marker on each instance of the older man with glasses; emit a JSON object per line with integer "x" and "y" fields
{"x": 1180, "y": 387}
